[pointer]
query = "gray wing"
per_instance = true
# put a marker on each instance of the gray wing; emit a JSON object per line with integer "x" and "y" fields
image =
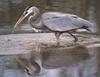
{"x": 62, "y": 22}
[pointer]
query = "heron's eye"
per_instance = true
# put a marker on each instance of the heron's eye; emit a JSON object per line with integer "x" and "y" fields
{"x": 25, "y": 12}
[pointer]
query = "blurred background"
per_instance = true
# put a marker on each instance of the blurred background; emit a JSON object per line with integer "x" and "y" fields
{"x": 11, "y": 10}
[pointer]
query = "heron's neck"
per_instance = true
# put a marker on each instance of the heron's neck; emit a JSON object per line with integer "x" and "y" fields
{"x": 36, "y": 14}
{"x": 35, "y": 21}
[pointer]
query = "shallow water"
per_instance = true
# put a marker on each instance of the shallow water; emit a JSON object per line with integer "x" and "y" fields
{"x": 57, "y": 63}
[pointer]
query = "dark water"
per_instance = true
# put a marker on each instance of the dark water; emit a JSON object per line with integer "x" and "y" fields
{"x": 12, "y": 9}
{"x": 55, "y": 62}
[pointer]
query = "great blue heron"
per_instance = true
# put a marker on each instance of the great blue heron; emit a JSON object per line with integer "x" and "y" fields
{"x": 55, "y": 21}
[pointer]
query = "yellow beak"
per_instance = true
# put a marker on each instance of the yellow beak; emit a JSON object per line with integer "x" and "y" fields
{"x": 20, "y": 20}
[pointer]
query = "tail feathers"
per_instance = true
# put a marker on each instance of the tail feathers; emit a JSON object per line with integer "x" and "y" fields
{"x": 87, "y": 28}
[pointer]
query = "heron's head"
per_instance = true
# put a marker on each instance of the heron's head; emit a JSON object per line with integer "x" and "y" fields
{"x": 32, "y": 69}
{"x": 28, "y": 11}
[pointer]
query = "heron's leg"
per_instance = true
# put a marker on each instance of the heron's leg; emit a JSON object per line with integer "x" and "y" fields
{"x": 75, "y": 38}
{"x": 57, "y": 34}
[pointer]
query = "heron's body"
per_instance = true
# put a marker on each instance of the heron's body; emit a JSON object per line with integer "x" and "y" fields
{"x": 56, "y": 21}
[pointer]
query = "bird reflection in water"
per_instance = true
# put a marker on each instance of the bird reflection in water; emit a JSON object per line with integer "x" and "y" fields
{"x": 56, "y": 61}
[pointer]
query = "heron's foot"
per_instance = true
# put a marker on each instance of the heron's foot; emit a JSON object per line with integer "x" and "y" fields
{"x": 75, "y": 39}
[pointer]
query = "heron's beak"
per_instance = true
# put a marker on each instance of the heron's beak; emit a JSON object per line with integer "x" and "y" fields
{"x": 20, "y": 20}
